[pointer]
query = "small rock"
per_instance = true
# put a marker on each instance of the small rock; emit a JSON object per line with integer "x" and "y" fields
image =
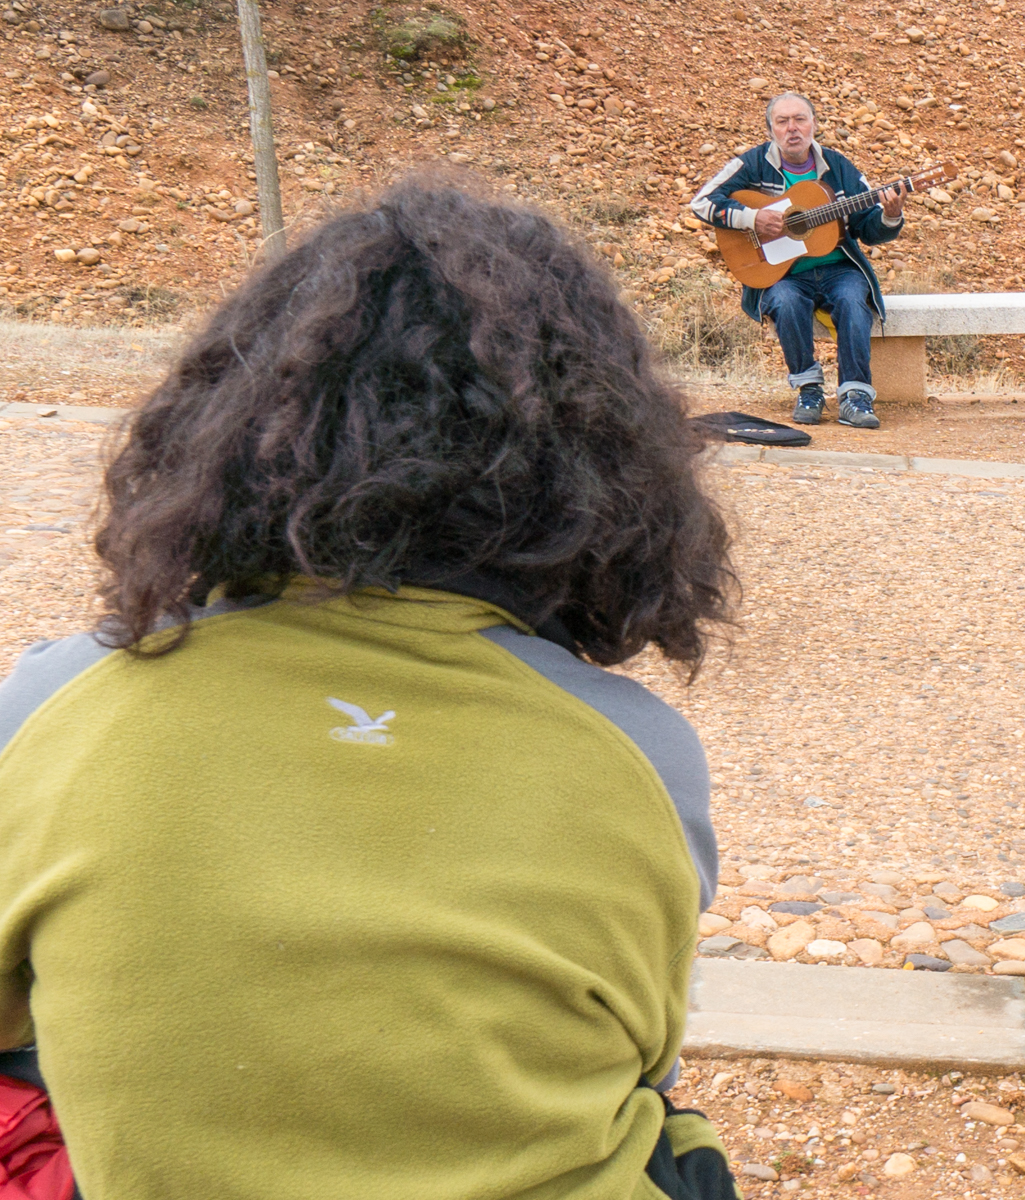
{"x": 801, "y": 885}
{"x": 988, "y": 1114}
{"x": 847, "y": 1172}
{"x": 1008, "y": 1143}
{"x": 757, "y": 84}
{"x": 245, "y": 208}
{"x": 983, "y": 214}
{"x": 794, "y": 1091}
{"x": 758, "y": 918}
{"x": 839, "y": 897}
{"x": 706, "y": 148}
{"x": 1010, "y": 967}
{"x": 718, "y": 946}
{"x": 868, "y": 950}
{"x": 1013, "y": 888}
{"x": 921, "y": 933}
{"x": 915, "y": 35}
{"x": 64, "y": 255}
{"x": 884, "y": 1089}
{"x": 756, "y": 871}
{"x": 934, "y": 913}
{"x": 98, "y": 78}
{"x": 488, "y": 105}
{"x": 911, "y": 915}
{"x": 815, "y": 802}
{"x": 824, "y": 948}
{"x": 88, "y": 256}
{"x": 787, "y": 942}
{"x": 1017, "y": 1162}
{"x": 1008, "y": 948}
{"x": 1015, "y": 923}
{"x": 948, "y": 892}
{"x": 926, "y": 962}
{"x": 982, "y": 903}
{"x": 757, "y": 1171}
{"x": 963, "y": 955}
{"x": 1009, "y": 160}
{"x": 144, "y": 27}
{"x": 884, "y": 891}
{"x": 129, "y": 225}
{"x": 891, "y": 877}
{"x": 890, "y": 920}
{"x": 798, "y": 908}
{"x": 116, "y": 19}
{"x": 977, "y": 1173}
{"x": 710, "y": 924}
{"x": 898, "y": 1165}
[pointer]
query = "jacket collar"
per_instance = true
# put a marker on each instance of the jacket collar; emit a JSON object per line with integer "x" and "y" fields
{"x": 775, "y": 159}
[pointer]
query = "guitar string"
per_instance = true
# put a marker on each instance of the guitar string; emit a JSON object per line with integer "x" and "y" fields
{"x": 811, "y": 218}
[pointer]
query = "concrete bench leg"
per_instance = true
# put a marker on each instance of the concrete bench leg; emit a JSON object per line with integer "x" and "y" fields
{"x": 898, "y": 368}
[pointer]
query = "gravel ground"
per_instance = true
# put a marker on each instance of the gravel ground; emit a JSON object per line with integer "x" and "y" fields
{"x": 837, "y": 1129}
{"x": 865, "y": 738}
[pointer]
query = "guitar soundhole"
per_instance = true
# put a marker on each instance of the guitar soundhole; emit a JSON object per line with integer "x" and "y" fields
{"x": 797, "y": 226}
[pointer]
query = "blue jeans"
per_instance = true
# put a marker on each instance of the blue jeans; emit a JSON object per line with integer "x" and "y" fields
{"x": 840, "y": 289}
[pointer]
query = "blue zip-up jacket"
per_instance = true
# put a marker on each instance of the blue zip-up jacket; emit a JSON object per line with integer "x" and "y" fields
{"x": 760, "y": 170}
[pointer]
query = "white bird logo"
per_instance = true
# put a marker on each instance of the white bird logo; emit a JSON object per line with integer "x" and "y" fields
{"x": 362, "y": 718}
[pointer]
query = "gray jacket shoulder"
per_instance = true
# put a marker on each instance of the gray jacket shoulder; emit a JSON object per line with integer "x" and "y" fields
{"x": 41, "y": 672}
{"x": 662, "y": 735}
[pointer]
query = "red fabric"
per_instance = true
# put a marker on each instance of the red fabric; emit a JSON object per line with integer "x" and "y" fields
{"x": 33, "y": 1158}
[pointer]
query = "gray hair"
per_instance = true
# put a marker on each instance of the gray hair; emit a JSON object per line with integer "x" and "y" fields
{"x": 788, "y": 96}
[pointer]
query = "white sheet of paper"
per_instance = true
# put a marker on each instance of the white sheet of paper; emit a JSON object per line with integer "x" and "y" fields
{"x": 782, "y": 249}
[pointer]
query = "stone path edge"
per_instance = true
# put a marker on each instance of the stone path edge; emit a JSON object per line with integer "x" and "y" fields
{"x": 916, "y": 1020}
{"x": 65, "y": 412}
{"x": 788, "y": 456}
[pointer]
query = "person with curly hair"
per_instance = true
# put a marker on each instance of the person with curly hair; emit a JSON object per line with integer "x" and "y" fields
{"x": 333, "y": 864}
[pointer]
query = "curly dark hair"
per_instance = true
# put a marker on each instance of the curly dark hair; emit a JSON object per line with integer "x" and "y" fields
{"x": 431, "y": 386}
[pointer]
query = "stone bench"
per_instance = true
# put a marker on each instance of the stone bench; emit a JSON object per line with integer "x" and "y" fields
{"x": 898, "y": 358}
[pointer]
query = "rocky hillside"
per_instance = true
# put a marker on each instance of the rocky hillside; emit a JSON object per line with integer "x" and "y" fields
{"x": 126, "y": 186}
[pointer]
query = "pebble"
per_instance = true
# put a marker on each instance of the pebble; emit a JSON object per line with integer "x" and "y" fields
{"x": 801, "y": 885}
{"x": 947, "y": 891}
{"x": 983, "y": 214}
{"x": 245, "y": 208}
{"x": 884, "y": 1089}
{"x": 488, "y": 105}
{"x": 884, "y": 891}
{"x": 825, "y": 948}
{"x": 1015, "y": 923}
{"x": 791, "y": 940}
{"x": 815, "y": 802}
{"x": 88, "y": 256}
{"x": 868, "y": 950}
{"x": 891, "y": 877}
{"x": 98, "y": 78}
{"x": 926, "y": 962}
{"x": 718, "y": 946}
{"x": 1011, "y": 967}
{"x": 988, "y": 1114}
{"x": 921, "y": 933}
{"x": 1013, "y": 888}
{"x": 757, "y": 1171}
{"x": 839, "y": 897}
{"x": 935, "y": 914}
{"x": 711, "y": 923}
{"x": 798, "y": 908}
{"x": 757, "y": 84}
{"x": 891, "y": 920}
{"x": 116, "y": 19}
{"x": 794, "y": 1091}
{"x": 758, "y": 918}
{"x": 1007, "y": 158}
{"x": 963, "y": 955}
{"x": 756, "y": 871}
{"x": 982, "y": 903}
{"x": 1008, "y": 948}
{"x": 978, "y": 1173}
{"x": 64, "y": 255}
{"x": 898, "y": 1165}
{"x": 144, "y": 27}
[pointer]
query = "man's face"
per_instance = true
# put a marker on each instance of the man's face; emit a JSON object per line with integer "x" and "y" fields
{"x": 793, "y": 128}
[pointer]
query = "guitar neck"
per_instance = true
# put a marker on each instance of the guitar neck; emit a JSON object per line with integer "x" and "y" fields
{"x": 837, "y": 209}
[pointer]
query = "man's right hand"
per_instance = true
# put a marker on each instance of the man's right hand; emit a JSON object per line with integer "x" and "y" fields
{"x": 769, "y": 224}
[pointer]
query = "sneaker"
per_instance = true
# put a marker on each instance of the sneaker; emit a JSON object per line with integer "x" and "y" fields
{"x": 856, "y": 409}
{"x": 810, "y": 401}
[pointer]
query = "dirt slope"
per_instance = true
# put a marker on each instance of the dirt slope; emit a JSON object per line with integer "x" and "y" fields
{"x": 608, "y": 112}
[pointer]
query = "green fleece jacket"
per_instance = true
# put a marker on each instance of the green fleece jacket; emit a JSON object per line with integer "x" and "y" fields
{"x": 349, "y": 900}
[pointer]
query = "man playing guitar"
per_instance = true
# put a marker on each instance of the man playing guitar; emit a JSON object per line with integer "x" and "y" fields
{"x": 841, "y": 282}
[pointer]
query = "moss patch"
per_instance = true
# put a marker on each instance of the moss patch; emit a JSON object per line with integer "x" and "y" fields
{"x": 410, "y": 36}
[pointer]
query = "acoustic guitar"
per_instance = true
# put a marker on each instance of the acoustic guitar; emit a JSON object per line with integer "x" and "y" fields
{"x": 814, "y": 220}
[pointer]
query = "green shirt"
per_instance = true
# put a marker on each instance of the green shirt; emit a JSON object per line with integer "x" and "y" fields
{"x": 822, "y": 260}
{"x": 345, "y": 900}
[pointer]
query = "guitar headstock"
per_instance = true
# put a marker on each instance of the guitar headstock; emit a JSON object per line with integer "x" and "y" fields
{"x": 935, "y": 175}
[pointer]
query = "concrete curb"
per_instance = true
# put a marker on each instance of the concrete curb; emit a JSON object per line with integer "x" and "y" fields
{"x": 787, "y": 456}
{"x": 65, "y": 412}
{"x": 905, "y": 1019}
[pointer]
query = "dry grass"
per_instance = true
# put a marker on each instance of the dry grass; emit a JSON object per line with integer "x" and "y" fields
{"x": 700, "y": 325}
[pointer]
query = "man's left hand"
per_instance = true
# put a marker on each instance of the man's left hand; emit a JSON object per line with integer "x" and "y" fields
{"x": 892, "y": 200}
